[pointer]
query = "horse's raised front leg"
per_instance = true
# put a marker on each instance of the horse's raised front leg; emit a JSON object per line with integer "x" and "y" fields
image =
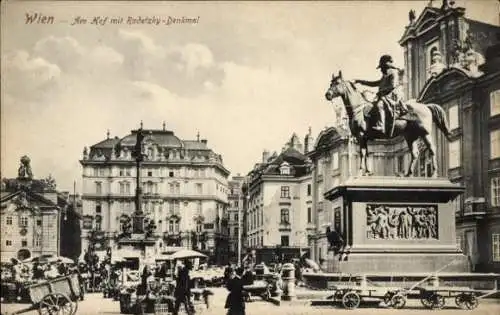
{"x": 412, "y": 145}
{"x": 432, "y": 151}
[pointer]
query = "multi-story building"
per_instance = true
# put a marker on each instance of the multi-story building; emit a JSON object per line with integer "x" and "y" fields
{"x": 184, "y": 186}
{"x": 236, "y": 200}
{"x": 335, "y": 158}
{"x": 278, "y": 212}
{"x": 30, "y": 216}
{"x": 453, "y": 61}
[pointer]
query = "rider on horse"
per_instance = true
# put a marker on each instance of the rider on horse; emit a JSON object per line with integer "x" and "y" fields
{"x": 389, "y": 94}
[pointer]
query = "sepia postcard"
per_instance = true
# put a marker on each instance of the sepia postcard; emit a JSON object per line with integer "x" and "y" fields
{"x": 212, "y": 157}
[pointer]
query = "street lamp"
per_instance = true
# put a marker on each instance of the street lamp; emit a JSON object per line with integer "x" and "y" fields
{"x": 247, "y": 198}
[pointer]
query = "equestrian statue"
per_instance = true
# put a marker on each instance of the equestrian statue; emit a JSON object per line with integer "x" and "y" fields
{"x": 389, "y": 116}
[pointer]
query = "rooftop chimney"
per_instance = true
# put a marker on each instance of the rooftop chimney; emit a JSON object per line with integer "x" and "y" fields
{"x": 265, "y": 156}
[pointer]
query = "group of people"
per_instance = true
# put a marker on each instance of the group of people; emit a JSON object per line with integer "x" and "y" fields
{"x": 28, "y": 272}
{"x": 17, "y": 275}
{"x": 235, "y": 279}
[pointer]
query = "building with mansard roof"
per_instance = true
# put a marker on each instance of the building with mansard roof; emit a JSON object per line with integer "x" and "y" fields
{"x": 278, "y": 207}
{"x": 185, "y": 188}
{"x": 454, "y": 61}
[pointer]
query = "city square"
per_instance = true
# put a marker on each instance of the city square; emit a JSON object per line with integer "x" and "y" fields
{"x": 177, "y": 159}
{"x": 300, "y": 307}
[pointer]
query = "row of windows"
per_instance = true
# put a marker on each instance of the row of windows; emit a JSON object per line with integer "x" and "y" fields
{"x": 149, "y": 187}
{"x": 172, "y": 225}
{"x": 148, "y": 172}
{"x": 23, "y": 221}
{"x": 173, "y": 206}
{"x": 24, "y": 242}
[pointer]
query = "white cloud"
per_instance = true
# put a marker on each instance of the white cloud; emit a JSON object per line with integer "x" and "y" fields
{"x": 66, "y": 52}
{"x": 27, "y": 75}
{"x": 244, "y": 85}
{"x": 182, "y": 69}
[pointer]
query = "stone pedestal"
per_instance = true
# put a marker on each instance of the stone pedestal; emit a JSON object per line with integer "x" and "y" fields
{"x": 138, "y": 223}
{"x": 394, "y": 224}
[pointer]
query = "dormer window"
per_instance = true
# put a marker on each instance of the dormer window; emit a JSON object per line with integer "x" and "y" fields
{"x": 285, "y": 168}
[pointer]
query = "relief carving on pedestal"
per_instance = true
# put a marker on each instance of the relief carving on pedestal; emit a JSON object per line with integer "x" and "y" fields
{"x": 400, "y": 222}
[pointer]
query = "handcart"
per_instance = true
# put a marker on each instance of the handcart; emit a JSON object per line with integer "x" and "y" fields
{"x": 57, "y": 296}
{"x": 351, "y": 296}
{"x": 465, "y": 298}
{"x": 434, "y": 297}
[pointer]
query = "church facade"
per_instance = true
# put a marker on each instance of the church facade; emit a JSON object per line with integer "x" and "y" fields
{"x": 184, "y": 184}
{"x": 452, "y": 61}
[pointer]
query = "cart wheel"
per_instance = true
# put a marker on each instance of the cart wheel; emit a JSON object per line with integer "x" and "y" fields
{"x": 56, "y": 303}
{"x": 437, "y": 301}
{"x": 351, "y": 300}
{"x": 460, "y": 300}
{"x": 426, "y": 302}
{"x": 75, "y": 306}
{"x": 471, "y": 302}
{"x": 398, "y": 301}
{"x": 388, "y": 297}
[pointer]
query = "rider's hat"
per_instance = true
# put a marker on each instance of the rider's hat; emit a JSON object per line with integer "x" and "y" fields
{"x": 383, "y": 60}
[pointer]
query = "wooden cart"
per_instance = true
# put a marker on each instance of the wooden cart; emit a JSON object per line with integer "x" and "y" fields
{"x": 57, "y": 296}
{"x": 465, "y": 298}
{"x": 351, "y": 296}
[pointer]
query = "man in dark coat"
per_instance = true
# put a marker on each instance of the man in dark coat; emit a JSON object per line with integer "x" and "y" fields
{"x": 235, "y": 302}
{"x": 182, "y": 292}
{"x": 248, "y": 276}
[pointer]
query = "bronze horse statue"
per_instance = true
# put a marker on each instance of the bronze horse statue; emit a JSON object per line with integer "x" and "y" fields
{"x": 412, "y": 126}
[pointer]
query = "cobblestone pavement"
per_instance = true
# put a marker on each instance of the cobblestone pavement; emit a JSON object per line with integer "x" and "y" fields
{"x": 95, "y": 304}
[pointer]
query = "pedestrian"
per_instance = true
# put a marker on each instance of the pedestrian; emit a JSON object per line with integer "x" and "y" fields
{"x": 146, "y": 273}
{"x": 182, "y": 292}
{"x": 235, "y": 302}
{"x": 248, "y": 276}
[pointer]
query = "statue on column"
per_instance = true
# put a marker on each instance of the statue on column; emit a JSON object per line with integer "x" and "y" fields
{"x": 24, "y": 171}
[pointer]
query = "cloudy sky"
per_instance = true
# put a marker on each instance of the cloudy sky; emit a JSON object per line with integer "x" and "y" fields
{"x": 246, "y": 76}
